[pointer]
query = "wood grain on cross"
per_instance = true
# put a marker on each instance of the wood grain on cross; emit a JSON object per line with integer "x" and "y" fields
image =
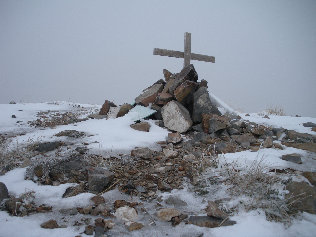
{"x": 187, "y": 55}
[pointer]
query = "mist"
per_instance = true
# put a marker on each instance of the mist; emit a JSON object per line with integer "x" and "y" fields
{"x": 89, "y": 51}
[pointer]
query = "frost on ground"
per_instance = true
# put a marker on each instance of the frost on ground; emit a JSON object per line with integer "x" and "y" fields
{"x": 54, "y": 158}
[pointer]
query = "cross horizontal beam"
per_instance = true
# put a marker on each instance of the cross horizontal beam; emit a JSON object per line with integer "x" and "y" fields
{"x": 179, "y": 54}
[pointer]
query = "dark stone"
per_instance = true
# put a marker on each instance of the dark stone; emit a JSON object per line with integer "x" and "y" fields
{"x": 203, "y": 83}
{"x": 99, "y": 231}
{"x": 81, "y": 150}
{"x": 188, "y": 73}
{"x": 300, "y": 137}
{"x": 163, "y": 98}
{"x": 210, "y": 222}
{"x": 156, "y": 115}
{"x": 47, "y": 146}
{"x": 202, "y": 105}
{"x": 4, "y": 194}
{"x": 244, "y": 140}
{"x": 295, "y": 158}
{"x": 175, "y": 201}
{"x": 38, "y": 171}
{"x": 13, "y": 116}
{"x": 212, "y": 123}
{"x": 74, "y": 191}
{"x": 89, "y": 230}
{"x": 309, "y": 125}
{"x": 99, "y": 179}
{"x": 167, "y": 74}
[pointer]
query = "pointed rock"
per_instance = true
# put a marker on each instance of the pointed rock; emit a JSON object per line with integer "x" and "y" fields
{"x": 149, "y": 95}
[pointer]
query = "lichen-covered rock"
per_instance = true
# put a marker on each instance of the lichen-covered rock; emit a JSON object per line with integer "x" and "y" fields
{"x": 176, "y": 117}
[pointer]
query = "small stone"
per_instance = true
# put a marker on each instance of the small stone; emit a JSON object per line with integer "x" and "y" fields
{"x": 51, "y": 224}
{"x": 126, "y": 214}
{"x": 175, "y": 201}
{"x": 142, "y": 126}
{"x": 99, "y": 179}
{"x": 122, "y": 203}
{"x": 309, "y": 125}
{"x": 109, "y": 224}
{"x": 210, "y": 222}
{"x": 174, "y": 137}
{"x": 13, "y": 116}
{"x": 97, "y": 200}
{"x": 135, "y": 226}
{"x": 212, "y": 210}
{"x": 38, "y": 171}
{"x": 74, "y": 191}
{"x": 278, "y": 146}
{"x": 163, "y": 98}
{"x": 166, "y": 214}
{"x": 170, "y": 153}
{"x": 266, "y": 116}
{"x": 295, "y": 158}
{"x": 47, "y": 146}
{"x": 89, "y": 230}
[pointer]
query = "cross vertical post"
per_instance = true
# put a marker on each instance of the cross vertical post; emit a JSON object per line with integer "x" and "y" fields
{"x": 187, "y": 48}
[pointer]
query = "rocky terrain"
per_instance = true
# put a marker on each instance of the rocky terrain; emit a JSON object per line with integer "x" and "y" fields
{"x": 186, "y": 179}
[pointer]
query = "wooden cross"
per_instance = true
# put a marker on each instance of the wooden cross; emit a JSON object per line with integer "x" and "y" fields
{"x": 187, "y": 55}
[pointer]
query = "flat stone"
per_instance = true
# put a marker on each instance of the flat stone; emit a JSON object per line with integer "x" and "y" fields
{"x": 309, "y": 125}
{"x": 135, "y": 226}
{"x": 124, "y": 109}
{"x": 295, "y": 158}
{"x": 99, "y": 179}
{"x": 209, "y": 222}
{"x": 51, "y": 224}
{"x": 185, "y": 90}
{"x": 142, "y": 126}
{"x": 4, "y": 194}
{"x": 70, "y": 133}
{"x": 74, "y": 191}
{"x": 163, "y": 98}
{"x": 268, "y": 142}
{"x": 212, "y": 123}
{"x": 175, "y": 201}
{"x": 166, "y": 214}
{"x": 202, "y": 105}
{"x": 244, "y": 140}
{"x": 97, "y": 199}
{"x": 47, "y": 146}
{"x": 149, "y": 95}
{"x": 176, "y": 117}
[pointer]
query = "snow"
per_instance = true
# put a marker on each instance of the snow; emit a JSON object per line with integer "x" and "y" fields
{"x": 115, "y": 134}
{"x": 286, "y": 122}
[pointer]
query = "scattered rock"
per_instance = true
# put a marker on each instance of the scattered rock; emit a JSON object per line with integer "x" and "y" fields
{"x": 89, "y": 230}
{"x": 143, "y": 153}
{"x": 13, "y": 116}
{"x": 142, "y": 126}
{"x": 149, "y": 95}
{"x": 99, "y": 179}
{"x": 135, "y": 226}
{"x": 166, "y": 214}
{"x": 122, "y": 203}
{"x": 126, "y": 214}
{"x": 4, "y": 194}
{"x": 174, "y": 137}
{"x": 170, "y": 153}
{"x": 212, "y": 210}
{"x": 176, "y": 117}
{"x": 176, "y": 220}
{"x": 124, "y": 109}
{"x": 244, "y": 140}
{"x": 295, "y": 158}
{"x": 97, "y": 200}
{"x": 210, "y": 222}
{"x": 106, "y": 107}
{"x": 51, "y": 224}
{"x": 163, "y": 98}
{"x": 212, "y": 123}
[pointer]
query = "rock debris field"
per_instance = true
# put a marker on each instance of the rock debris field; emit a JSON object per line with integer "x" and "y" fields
{"x": 177, "y": 162}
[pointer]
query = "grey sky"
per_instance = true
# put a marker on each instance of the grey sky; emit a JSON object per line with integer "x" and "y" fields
{"x": 89, "y": 51}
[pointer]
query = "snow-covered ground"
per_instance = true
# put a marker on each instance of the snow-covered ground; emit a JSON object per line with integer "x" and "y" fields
{"x": 116, "y": 134}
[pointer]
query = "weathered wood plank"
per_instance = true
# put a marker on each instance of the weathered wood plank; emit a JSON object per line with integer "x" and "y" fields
{"x": 187, "y": 48}
{"x": 169, "y": 53}
{"x": 201, "y": 57}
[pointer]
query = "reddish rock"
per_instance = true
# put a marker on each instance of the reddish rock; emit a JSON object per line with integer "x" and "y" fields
{"x": 174, "y": 137}
{"x": 106, "y": 107}
{"x": 185, "y": 90}
{"x": 149, "y": 95}
{"x": 51, "y": 224}
{"x": 97, "y": 200}
{"x": 142, "y": 126}
{"x": 122, "y": 203}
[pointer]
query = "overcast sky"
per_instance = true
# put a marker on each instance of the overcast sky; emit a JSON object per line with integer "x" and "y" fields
{"x": 89, "y": 51}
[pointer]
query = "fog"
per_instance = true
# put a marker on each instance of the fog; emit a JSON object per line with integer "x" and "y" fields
{"x": 89, "y": 51}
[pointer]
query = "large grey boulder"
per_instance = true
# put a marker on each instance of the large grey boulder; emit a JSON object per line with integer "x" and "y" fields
{"x": 149, "y": 95}
{"x": 202, "y": 104}
{"x": 176, "y": 117}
